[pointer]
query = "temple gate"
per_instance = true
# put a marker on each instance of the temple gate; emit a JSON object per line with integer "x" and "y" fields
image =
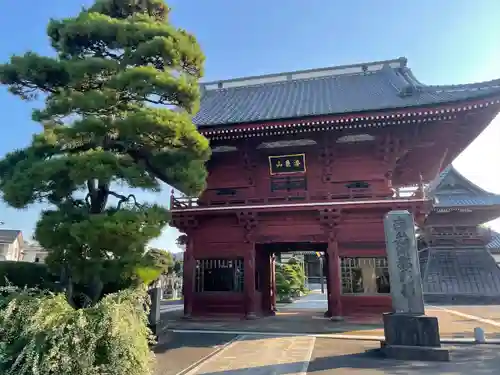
{"x": 316, "y": 157}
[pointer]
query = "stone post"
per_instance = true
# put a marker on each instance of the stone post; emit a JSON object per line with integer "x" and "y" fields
{"x": 188, "y": 276}
{"x": 409, "y": 333}
{"x": 154, "y": 312}
{"x": 404, "y": 266}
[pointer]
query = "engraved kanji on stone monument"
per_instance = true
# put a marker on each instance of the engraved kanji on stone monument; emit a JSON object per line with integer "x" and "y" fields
{"x": 404, "y": 267}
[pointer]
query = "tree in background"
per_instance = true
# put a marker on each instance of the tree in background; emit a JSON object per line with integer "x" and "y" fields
{"x": 156, "y": 262}
{"x": 119, "y": 99}
{"x": 298, "y": 273}
{"x": 161, "y": 259}
{"x": 177, "y": 267}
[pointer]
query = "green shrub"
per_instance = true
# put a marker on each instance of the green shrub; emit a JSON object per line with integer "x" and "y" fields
{"x": 283, "y": 288}
{"x": 298, "y": 275}
{"x": 41, "y": 334}
{"x": 291, "y": 275}
{"x": 25, "y": 274}
{"x": 38, "y": 275}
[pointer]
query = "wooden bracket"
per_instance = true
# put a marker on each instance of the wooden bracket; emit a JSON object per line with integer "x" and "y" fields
{"x": 330, "y": 219}
{"x": 184, "y": 222}
{"x": 248, "y": 163}
{"x": 249, "y": 221}
{"x": 326, "y": 157}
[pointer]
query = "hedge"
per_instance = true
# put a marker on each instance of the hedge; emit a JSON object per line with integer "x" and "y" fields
{"x": 38, "y": 275}
{"x": 25, "y": 274}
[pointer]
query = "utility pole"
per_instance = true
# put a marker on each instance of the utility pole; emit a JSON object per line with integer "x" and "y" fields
{"x": 321, "y": 281}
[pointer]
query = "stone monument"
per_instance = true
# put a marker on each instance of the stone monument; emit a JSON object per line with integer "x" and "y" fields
{"x": 409, "y": 333}
{"x": 154, "y": 311}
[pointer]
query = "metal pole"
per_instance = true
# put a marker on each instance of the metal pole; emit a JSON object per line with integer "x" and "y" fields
{"x": 321, "y": 275}
{"x": 304, "y": 270}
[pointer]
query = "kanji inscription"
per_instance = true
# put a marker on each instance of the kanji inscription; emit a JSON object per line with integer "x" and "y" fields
{"x": 404, "y": 268}
{"x": 286, "y": 164}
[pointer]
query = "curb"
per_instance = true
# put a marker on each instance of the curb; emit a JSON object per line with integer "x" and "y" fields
{"x": 333, "y": 336}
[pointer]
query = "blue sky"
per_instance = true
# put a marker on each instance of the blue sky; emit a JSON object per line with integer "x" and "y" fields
{"x": 445, "y": 41}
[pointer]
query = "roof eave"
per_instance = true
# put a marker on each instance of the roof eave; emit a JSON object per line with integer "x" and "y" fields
{"x": 371, "y": 112}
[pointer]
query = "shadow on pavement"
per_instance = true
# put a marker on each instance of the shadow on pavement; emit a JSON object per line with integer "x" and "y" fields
{"x": 172, "y": 340}
{"x": 465, "y": 360}
{"x": 168, "y": 302}
{"x": 176, "y": 352}
{"x": 300, "y": 322}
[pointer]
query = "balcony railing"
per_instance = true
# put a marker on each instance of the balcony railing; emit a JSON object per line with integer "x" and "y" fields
{"x": 361, "y": 194}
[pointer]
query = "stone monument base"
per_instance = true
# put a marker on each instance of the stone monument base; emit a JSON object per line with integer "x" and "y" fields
{"x": 412, "y": 337}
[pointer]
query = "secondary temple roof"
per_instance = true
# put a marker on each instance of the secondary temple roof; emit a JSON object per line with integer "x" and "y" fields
{"x": 451, "y": 189}
{"x": 494, "y": 244}
{"x": 344, "y": 89}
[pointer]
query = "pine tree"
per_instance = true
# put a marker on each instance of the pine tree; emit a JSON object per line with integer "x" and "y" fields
{"x": 119, "y": 99}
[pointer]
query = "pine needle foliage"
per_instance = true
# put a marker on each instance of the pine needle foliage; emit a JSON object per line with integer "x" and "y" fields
{"x": 119, "y": 99}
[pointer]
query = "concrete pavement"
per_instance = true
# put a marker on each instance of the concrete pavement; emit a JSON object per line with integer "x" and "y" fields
{"x": 212, "y": 354}
{"x": 315, "y": 300}
{"x": 260, "y": 356}
{"x": 171, "y": 305}
{"x": 275, "y": 350}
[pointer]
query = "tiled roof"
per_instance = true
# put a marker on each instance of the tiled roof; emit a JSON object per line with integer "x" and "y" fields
{"x": 465, "y": 194}
{"x": 338, "y": 90}
{"x": 466, "y": 200}
{"x": 8, "y": 235}
{"x": 495, "y": 241}
{"x": 439, "y": 178}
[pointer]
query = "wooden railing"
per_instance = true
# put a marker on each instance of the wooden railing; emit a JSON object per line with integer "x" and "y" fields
{"x": 183, "y": 202}
{"x": 180, "y": 203}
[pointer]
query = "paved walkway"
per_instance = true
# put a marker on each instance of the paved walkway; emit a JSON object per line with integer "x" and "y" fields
{"x": 171, "y": 305}
{"x": 315, "y": 300}
{"x": 167, "y": 308}
{"x": 209, "y": 354}
{"x": 305, "y": 315}
{"x": 260, "y": 356}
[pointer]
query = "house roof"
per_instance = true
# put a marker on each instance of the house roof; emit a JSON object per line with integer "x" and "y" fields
{"x": 7, "y": 236}
{"x": 452, "y": 189}
{"x": 375, "y": 86}
{"x": 494, "y": 244}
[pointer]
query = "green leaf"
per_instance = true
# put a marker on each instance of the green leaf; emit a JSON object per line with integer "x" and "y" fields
{"x": 119, "y": 96}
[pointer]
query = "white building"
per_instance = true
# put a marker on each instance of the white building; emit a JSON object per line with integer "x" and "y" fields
{"x": 34, "y": 253}
{"x": 11, "y": 244}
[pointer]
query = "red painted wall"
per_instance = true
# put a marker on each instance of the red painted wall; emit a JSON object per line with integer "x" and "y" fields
{"x": 328, "y": 170}
{"x": 361, "y": 235}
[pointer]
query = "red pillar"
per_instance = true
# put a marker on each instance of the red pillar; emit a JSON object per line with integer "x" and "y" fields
{"x": 188, "y": 278}
{"x": 249, "y": 287}
{"x": 334, "y": 282}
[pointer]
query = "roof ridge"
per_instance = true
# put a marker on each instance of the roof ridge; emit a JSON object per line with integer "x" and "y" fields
{"x": 363, "y": 68}
{"x": 434, "y": 184}
{"x": 481, "y": 85}
{"x": 472, "y": 183}
{"x": 451, "y": 169}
